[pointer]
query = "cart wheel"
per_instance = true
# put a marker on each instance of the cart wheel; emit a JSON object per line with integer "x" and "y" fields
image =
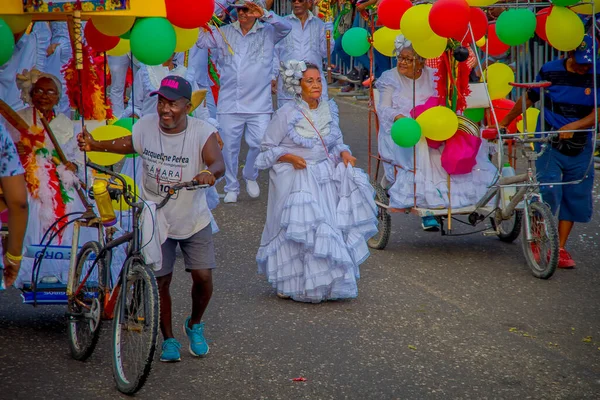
{"x": 509, "y": 229}
{"x": 384, "y": 226}
{"x": 541, "y": 252}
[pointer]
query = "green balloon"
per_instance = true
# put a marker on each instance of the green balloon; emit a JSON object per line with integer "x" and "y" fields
{"x": 153, "y": 40}
{"x": 7, "y": 42}
{"x": 355, "y": 42}
{"x": 126, "y": 123}
{"x": 126, "y": 35}
{"x": 475, "y": 114}
{"x": 564, "y": 3}
{"x": 516, "y": 26}
{"x": 406, "y": 132}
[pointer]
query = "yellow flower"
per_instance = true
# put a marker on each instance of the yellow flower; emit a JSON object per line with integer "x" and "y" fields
{"x": 87, "y": 6}
{"x": 43, "y": 8}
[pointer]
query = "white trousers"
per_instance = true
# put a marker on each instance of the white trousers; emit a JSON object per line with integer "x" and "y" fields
{"x": 118, "y": 71}
{"x": 232, "y": 129}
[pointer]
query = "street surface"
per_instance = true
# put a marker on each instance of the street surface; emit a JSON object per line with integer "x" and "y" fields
{"x": 436, "y": 318}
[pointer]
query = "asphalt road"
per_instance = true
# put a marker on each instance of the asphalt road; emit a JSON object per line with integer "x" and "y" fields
{"x": 436, "y": 318}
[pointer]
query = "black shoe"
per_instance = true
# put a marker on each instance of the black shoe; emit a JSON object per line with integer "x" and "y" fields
{"x": 354, "y": 76}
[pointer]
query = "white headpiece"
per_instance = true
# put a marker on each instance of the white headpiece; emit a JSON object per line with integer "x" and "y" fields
{"x": 27, "y": 79}
{"x": 402, "y": 43}
{"x": 291, "y": 72}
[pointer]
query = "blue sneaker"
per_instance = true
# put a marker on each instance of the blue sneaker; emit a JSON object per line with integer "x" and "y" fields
{"x": 198, "y": 345}
{"x": 430, "y": 224}
{"x": 170, "y": 351}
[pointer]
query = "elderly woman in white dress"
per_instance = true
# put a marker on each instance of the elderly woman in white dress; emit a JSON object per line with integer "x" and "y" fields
{"x": 321, "y": 209}
{"x": 51, "y": 185}
{"x": 402, "y": 89}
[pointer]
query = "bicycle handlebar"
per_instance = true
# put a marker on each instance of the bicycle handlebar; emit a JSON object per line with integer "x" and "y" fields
{"x": 191, "y": 185}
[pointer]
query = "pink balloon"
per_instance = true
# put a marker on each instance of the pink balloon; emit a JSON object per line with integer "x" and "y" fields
{"x": 420, "y": 109}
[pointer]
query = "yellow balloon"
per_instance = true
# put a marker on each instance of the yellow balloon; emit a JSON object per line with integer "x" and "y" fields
{"x": 498, "y": 77}
{"x": 107, "y": 132}
{"x": 432, "y": 47}
{"x": 121, "y": 49}
{"x": 586, "y": 8}
{"x": 17, "y": 23}
{"x": 481, "y": 42}
{"x": 438, "y": 123}
{"x": 415, "y": 23}
{"x": 564, "y": 29}
{"x": 113, "y": 26}
{"x": 532, "y": 119}
{"x": 481, "y": 3}
{"x": 384, "y": 40}
{"x": 121, "y": 204}
{"x": 186, "y": 38}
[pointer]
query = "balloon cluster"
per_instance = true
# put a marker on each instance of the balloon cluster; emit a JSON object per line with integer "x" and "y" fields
{"x": 292, "y": 71}
{"x": 151, "y": 40}
{"x": 430, "y": 27}
{"x": 435, "y": 122}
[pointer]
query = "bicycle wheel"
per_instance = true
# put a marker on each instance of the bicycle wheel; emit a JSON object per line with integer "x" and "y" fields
{"x": 135, "y": 328}
{"x": 541, "y": 252}
{"x": 85, "y": 308}
{"x": 384, "y": 227}
{"x": 510, "y": 229}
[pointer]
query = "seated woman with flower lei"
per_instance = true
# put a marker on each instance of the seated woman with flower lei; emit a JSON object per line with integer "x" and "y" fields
{"x": 51, "y": 185}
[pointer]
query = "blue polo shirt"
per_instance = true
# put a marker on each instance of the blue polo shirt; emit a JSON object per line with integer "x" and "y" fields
{"x": 569, "y": 99}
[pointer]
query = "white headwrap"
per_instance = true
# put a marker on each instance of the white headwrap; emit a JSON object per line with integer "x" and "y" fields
{"x": 27, "y": 79}
{"x": 291, "y": 72}
{"x": 402, "y": 43}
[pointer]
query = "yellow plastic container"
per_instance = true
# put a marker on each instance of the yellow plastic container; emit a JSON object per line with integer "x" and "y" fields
{"x": 104, "y": 203}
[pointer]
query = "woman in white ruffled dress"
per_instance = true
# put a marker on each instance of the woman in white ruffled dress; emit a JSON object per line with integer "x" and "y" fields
{"x": 147, "y": 80}
{"x": 51, "y": 185}
{"x": 401, "y": 89}
{"x": 321, "y": 209}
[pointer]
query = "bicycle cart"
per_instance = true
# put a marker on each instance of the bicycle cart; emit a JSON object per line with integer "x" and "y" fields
{"x": 523, "y": 214}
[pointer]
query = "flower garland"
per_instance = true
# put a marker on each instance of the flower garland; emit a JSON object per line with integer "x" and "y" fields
{"x": 43, "y": 177}
{"x": 95, "y": 105}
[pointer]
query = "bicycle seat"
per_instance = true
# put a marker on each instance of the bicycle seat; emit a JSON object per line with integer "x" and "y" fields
{"x": 531, "y": 85}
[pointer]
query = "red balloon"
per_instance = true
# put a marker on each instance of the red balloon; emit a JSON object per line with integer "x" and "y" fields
{"x": 479, "y": 24}
{"x": 494, "y": 45}
{"x": 540, "y": 27}
{"x": 390, "y": 12}
{"x": 189, "y": 14}
{"x": 501, "y": 107}
{"x": 98, "y": 40}
{"x": 450, "y": 18}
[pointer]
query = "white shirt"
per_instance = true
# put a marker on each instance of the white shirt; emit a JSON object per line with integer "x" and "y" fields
{"x": 246, "y": 75}
{"x": 24, "y": 57}
{"x": 169, "y": 159}
{"x": 305, "y": 43}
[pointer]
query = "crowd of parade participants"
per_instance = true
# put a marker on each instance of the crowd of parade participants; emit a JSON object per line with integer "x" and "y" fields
{"x": 273, "y": 93}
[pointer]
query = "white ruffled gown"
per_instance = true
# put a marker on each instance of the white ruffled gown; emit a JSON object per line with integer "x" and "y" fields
{"x": 318, "y": 219}
{"x": 430, "y": 179}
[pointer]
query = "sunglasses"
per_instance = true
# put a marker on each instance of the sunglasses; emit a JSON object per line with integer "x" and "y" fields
{"x": 243, "y": 9}
{"x": 297, "y": 1}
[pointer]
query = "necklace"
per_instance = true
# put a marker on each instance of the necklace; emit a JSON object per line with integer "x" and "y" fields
{"x": 162, "y": 158}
